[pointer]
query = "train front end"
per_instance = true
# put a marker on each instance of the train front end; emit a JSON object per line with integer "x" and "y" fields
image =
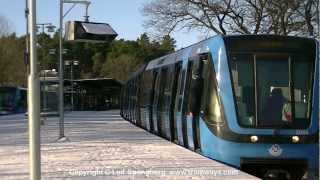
{"x": 269, "y": 128}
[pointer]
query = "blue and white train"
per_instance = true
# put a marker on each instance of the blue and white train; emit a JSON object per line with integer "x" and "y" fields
{"x": 12, "y": 100}
{"x": 249, "y": 101}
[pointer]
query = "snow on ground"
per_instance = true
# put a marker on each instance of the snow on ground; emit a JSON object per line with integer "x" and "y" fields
{"x": 102, "y": 146}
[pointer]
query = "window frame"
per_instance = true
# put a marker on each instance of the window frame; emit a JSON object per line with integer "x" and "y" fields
{"x": 291, "y": 56}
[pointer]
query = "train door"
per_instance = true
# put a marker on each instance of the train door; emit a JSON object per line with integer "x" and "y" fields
{"x": 121, "y": 100}
{"x": 130, "y": 101}
{"x": 147, "y": 96}
{"x": 192, "y": 101}
{"x": 133, "y": 91}
{"x": 174, "y": 94}
{"x": 127, "y": 101}
{"x": 185, "y": 121}
{"x": 153, "y": 75}
{"x": 137, "y": 97}
{"x": 155, "y": 99}
{"x": 132, "y": 109}
{"x": 178, "y": 108}
{"x": 142, "y": 106}
{"x": 164, "y": 103}
{"x": 124, "y": 101}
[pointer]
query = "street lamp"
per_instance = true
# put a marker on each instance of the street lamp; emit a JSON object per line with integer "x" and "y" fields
{"x": 26, "y": 53}
{"x": 50, "y": 29}
{"x": 72, "y": 63}
{"x": 99, "y": 32}
{"x": 61, "y": 108}
{"x": 49, "y": 26}
{"x": 33, "y": 97}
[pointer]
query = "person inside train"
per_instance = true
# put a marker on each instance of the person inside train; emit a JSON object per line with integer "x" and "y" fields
{"x": 277, "y": 110}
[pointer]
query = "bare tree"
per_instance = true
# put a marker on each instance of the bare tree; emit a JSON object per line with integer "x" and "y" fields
{"x": 232, "y": 16}
{"x": 168, "y": 15}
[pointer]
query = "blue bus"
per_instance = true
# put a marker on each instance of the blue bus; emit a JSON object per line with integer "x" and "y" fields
{"x": 12, "y": 100}
{"x": 249, "y": 101}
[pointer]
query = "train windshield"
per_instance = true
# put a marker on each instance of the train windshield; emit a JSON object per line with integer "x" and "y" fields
{"x": 7, "y": 96}
{"x": 272, "y": 90}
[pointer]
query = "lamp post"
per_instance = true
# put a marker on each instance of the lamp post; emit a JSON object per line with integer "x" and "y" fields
{"x": 50, "y": 29}
{"x": 26, "y": 54}
{"x": 61, "y": 99}
{"x": 33, "y": 99}
{"x": 72, "y": 63}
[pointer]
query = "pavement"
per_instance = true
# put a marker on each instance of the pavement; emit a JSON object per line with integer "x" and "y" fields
{"x": 101, "y": 145}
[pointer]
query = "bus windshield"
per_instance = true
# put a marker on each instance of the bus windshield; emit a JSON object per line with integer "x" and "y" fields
{"x": 6, "y": 99}
{"x": 272, "y": 89}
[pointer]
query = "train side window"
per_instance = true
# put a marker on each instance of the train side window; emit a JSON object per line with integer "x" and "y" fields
{"x": 187, "y": 86}
{"x": 176, "y": 69}
{"x": 156, "y": 88}
{"x": 243, "y": 85}
{"x": 147, "y": 88}
{"x": 211, "y": 108}
{"x": 195, "y": 85}
{"x": 168, "y": 89}
{"x": 180, "y": 91}
{"x": 183, "y": 74}
{"x": 162, "y": 89}
{"x": 23, "y": 99}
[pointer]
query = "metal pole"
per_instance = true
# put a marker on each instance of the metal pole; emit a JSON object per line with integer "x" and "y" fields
{"x": 61, "y": 63}
{"x": 72, "y": 85}
{"x": 42, "y": 28}
{"x": 33, "y": 100}
{"x": 44, "y": 81}
{"x": 27, "y": 33}
{"x": 86, "y": 17}
{"x": 44, "y": 95}
{"x": 61, "y": 109}
{"x": 86, "y": 2}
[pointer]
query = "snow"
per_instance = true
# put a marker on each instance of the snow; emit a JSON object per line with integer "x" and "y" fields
{"x": 101, "y": 145}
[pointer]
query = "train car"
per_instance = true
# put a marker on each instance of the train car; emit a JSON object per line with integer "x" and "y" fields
{"x": 249, "y": 101}
{"x": 12, "y": 100}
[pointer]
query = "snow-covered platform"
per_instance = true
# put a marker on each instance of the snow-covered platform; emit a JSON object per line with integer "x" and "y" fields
{"x": 102, "y": 146}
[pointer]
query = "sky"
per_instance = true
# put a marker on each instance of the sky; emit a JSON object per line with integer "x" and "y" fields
{"x": 123, "y": 15}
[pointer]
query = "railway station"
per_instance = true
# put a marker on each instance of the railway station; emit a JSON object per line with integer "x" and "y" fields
{"x": 159, "y": 89}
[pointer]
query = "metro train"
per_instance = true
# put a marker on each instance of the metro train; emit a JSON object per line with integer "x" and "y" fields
{"x": 12, "y": 100}
{"x": 249, "y": 101}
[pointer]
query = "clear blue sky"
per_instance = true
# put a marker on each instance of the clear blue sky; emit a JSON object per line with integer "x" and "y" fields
{"x": 123, "y": 15}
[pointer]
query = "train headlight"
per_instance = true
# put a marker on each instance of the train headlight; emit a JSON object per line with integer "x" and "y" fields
{"x": 254, "y": 139}
{"x": 295, "y": 139}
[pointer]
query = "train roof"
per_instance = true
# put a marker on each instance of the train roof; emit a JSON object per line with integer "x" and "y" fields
{"x": 137, "y": 72}
{"x": 176, "y": 56}
{"x": 235, "y": 42}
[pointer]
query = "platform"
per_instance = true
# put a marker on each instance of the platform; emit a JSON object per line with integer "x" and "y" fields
{"x": 102, "y": 146}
